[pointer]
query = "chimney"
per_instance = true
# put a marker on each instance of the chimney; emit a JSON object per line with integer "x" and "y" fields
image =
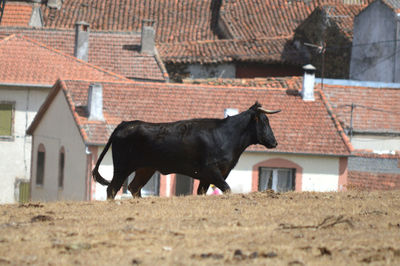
{"x": 148, "y": 36}
{"x": 36, "y": 19}
{"x": 82, "y": 31}
{"x": 307, "y": 92}
{"x": 54, "y": 4}
{"x": 95, "y": 102}
{"x": 230, "y": 112}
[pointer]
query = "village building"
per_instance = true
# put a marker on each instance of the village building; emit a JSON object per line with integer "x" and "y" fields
{"x": 375, "y": 51}
{"x": 312, "y": 153}
{"x": 129, "y": 54}
{"x": 370, "y": 115}
{"x": 28, "y": 71}
{"x": 222, "y": 39}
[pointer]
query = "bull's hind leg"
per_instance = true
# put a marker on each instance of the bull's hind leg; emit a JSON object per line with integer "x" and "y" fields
{"x": 142, "y": 176}
{"x": 116, "y": 183}
{"x": 203, "y": 187}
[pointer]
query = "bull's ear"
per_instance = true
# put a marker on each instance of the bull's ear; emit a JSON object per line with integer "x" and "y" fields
{"x": 269, "y": 112}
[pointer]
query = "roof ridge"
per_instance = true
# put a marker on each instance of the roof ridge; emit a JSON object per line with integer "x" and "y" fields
{"x": 22, "y": 36}
{"x": 187, "y": 42}
{"x": 163, "y": 84}
{"x": 11, "y": 36}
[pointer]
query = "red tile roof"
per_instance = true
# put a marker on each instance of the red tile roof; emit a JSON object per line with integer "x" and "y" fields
{"x": 190, "y": 20}
{"x": 16, "y": 14}
{"x": 176, "y": 20}
{"x": 270, "y": 50}
{"x": 188, "y": 31}
{"x": 301, "y": 127}
{"x": 25, "y": 61}
{"x": 393, "y": 4}
{"x": 290, "y": 83}
{"x": 375, "y": 109}
{"x": 114, "y": 51}
{"x": 271, "y": 18}
{"x": 342, "y": 16}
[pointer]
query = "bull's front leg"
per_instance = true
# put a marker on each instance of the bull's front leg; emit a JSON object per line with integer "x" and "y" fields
{"x": 215, "y": 177}
{"x": 203, "y": 187}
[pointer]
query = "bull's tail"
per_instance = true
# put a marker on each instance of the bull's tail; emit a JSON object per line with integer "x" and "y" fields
{"x": 96, "y": 175}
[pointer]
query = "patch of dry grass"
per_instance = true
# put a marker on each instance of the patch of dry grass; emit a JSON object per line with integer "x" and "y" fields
{"x": 257, "y": 228}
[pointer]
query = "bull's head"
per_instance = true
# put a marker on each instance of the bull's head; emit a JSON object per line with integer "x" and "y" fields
{"x": 264, "y": 133}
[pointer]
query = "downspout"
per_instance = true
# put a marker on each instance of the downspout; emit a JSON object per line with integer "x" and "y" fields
{"x": 88, "y": 195}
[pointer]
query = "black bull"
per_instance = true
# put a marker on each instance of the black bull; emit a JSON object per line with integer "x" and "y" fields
{"x": 205, "y": 149}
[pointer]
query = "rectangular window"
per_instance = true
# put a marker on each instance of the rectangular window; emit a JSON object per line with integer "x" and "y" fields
{"x": 6, "y": 119}
{"x": 40, "y": 168}
{"x": 183, "y": 185}
{"x": 277, "y": 179}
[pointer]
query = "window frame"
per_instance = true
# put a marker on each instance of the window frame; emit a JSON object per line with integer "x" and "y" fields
{"x": 11, "y": 136}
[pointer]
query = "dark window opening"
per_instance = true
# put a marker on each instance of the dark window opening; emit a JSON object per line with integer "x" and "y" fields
{"x": 40, "y": 165}
{"x": 183, "y": 185}
{"x": 61, "y": 164}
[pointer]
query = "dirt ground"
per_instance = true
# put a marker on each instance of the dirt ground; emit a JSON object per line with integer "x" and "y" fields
{"x": 262, "y": 228}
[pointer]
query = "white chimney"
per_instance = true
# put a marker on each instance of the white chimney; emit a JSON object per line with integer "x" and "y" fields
{"x": 95, "y": 102}
{"x": 307, "y": 91}
{"x": 230, "y": 112}
{"x": 82, "y": 31}
{"x": 148, "y": 37}
{"x": 54, "y": 4}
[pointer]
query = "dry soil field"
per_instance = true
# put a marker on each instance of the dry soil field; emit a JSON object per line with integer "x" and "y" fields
{"x": 244, "y": 229}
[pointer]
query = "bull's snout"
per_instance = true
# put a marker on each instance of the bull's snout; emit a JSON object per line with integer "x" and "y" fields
{"x": 273, "y": 144}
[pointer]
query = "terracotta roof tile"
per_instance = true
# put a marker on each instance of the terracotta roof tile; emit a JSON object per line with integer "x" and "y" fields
{"x": 271, "y": 18}
{"x": 16, "y": 14}
{"x": 191, "y": 20}
{"x": 114, "y": 51}
{"x": 176, "y": 20}
{"x": 375, "y": 109}
{"x": 301, "y": 127}
{"x": 290, "y": 83}
{"x": 393, "y": 4}
{"x": 25, "y": 61}
{"x": 270, "y": 50}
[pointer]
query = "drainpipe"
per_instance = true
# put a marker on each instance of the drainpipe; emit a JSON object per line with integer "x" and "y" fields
{"x": 88, "y": 195}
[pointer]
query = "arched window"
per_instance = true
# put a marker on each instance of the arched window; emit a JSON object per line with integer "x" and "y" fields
{"x": 40, "y": 163}
{"x": 61, "y": 164}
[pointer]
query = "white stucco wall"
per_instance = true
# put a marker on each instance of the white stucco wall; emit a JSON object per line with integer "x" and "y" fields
{"x": 384, "y": 144}
{"x": 376, "y": 26}
{"x": 57, "y": 129}
{"x": 320, "y": 173}
{"x": 15, "y": 155}
{"x": 106, "y": 170}
{"x": 212, "y": 71}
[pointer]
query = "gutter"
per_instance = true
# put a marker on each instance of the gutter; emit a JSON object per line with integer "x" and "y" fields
{"x": 377, "y": 133}
{"x": 302, "y": 153}
{"x": 47, "y": 86}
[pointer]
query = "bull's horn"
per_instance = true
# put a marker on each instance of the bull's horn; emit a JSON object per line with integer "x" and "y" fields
{"x": 268, "y": 111}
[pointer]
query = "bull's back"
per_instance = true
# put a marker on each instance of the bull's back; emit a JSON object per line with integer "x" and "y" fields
{"x": 167, "y": 147}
